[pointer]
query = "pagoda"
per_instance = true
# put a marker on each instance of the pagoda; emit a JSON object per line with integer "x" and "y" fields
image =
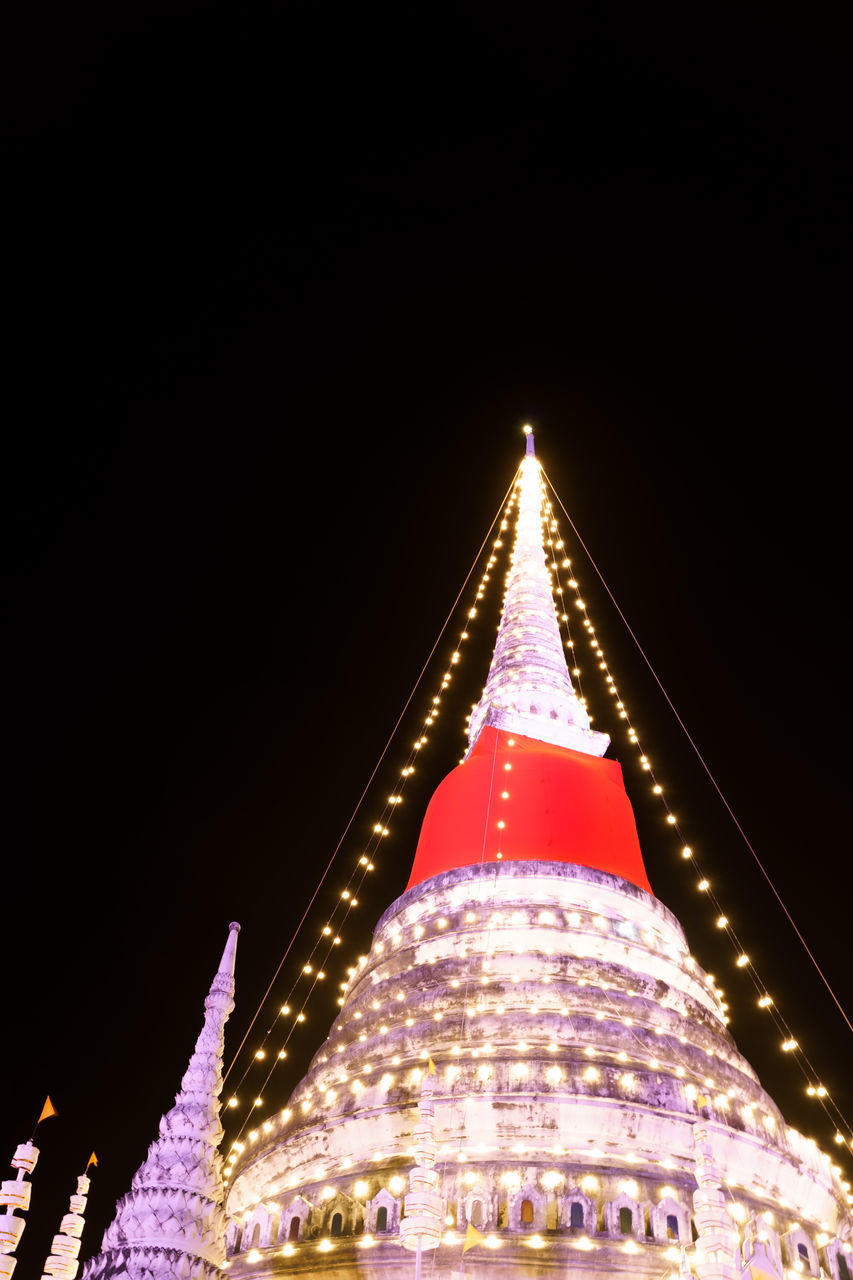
{"x": 529, "y": 1048}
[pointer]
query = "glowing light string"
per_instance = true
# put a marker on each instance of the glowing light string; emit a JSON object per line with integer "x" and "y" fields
{"x": 703, "y": 763}
{"x": 789, "y": 1044}
{"x": 465, "y": 1031}
{"x": 350, "y": 899}
{"x": 380, "y": 829}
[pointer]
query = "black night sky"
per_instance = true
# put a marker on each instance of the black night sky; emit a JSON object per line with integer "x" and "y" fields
{"x": 281, "y": 286}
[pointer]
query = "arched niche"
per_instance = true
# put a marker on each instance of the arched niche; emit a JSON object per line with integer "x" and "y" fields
{"x": 838, "y": 1260}
{"x": 577, "y": 1212}
{"x": 295, "y": 1220}
{"x": 383, "y": 1200}
{"x": 527, "y": 1210}
{"x": 477, "y": 1208}
{"x": 257, "y": 1230}
{"x": 798, "y": 1248}
{"x": 670, "y": 1221}
{"x": 349, "y": 1212}
{"x": 624, "y": 1218}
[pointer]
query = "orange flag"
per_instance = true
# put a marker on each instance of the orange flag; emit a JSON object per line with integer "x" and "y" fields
{"x": 47, "y": 1111}
{"x": 472, "y": 1238}
{"x": 756, "y": 1273}
{"x": 431, "y": 1068}
{"x": 93, "y": 1159}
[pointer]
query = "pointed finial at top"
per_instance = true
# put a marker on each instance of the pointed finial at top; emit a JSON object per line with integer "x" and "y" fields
{"x": 529, "y": 689}
{"x": 226, "y": 964}
{"x": 528, "y": 431}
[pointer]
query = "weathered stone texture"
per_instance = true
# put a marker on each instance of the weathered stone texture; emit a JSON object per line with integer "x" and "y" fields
{"x": 578, "y": 1046}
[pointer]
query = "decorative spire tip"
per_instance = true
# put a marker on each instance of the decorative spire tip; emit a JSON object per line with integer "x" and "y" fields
{"x": 226, "y": 964}
{"x": 528, "y": 431}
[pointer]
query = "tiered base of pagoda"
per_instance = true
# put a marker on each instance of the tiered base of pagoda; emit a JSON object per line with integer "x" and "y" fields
{"x": 578, "y": 1048}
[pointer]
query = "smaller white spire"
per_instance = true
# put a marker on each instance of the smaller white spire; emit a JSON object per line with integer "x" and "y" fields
{"x": 714, "y": 1252}
{"x": 172, "y": 1223}
{"x": 421, "y": 1227}
{"x": 529, "y": 690}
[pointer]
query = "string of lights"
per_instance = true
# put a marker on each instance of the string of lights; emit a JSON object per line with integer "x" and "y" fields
{"x": 332, "y": 926}
{"x": 379, "y": 828}
{"x": 788, "y": 1042}
{"x": 710, "y": 775}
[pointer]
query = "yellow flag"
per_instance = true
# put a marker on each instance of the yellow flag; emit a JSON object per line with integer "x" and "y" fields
{"x": 472, "y": 1238}
{"x": 431, "y": 1068}
{"x": 756, "y": 1273}
{"x": 702, "y": 1101}
{"x": 47, "y": 1111}
{"x": 93, "y": 1159}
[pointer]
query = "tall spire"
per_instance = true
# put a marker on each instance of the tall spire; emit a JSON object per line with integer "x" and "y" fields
{"x": 172, "y": 1224}
{"x": 529, "y": 690}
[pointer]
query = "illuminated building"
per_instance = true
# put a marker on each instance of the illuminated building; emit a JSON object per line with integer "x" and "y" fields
{"x": 590, "y": 1114}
